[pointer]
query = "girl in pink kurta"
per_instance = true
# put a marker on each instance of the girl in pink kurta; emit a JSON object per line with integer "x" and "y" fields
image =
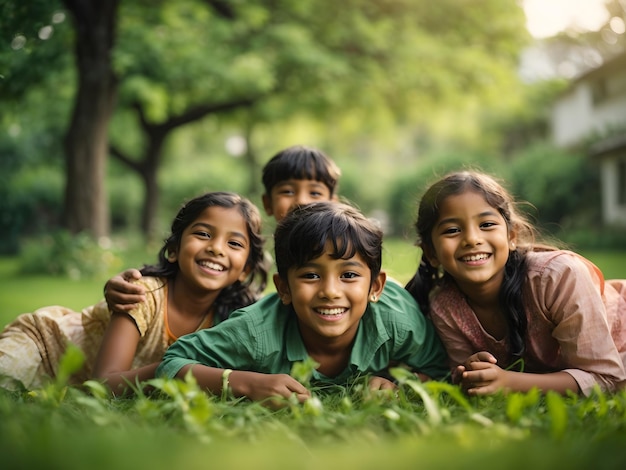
{"x": 212, "y": 263}
{"x": 513, "y": 314}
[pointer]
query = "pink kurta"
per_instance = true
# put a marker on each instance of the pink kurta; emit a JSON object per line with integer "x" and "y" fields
{"x": 32, "y": 345}
{"x": 576, "y": 322}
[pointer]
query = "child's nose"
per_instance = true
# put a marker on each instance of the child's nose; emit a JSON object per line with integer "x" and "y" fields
{"x": 472, "y": 237}
{"x": 216, "y": 247}
{"x": 302, "y": 198}
{"x": 329, "y": 289}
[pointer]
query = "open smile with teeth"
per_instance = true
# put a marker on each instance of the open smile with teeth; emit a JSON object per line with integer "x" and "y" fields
{"x": 477, "y": 257}
{"x": 331, "y": 311}
{"x": 213, "y": 266}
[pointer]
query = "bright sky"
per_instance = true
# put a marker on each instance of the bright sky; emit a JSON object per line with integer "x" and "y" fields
{"x": 548, "y": 17}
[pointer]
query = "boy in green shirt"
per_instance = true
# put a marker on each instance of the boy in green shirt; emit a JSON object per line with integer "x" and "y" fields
{"x": 329, "y": 306}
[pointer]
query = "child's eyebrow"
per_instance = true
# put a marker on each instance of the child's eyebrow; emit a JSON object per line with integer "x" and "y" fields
{"x": 351, "y": 262}
{"x": 451, "y": 220}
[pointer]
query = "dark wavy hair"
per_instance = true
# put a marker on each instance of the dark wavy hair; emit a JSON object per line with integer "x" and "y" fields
{"x": 304, "y": 163}
{"x": 240, "y": 293}
{"x": 304, "y": 233}
{"x": 427, "y": 277}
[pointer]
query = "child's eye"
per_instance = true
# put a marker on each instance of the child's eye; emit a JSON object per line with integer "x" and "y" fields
{"x": 450, "y": 231}
{"x": 287, "y": 192}
{"x": 202, "y": 234}
{"x": 350, "y": 275}
{"x": 488, "y": 224}
{"x": 236, "y": 244}
{"x": 309, "y": 275}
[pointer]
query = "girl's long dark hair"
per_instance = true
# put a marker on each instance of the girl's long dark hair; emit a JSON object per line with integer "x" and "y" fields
{"x": 511, "y": 292}
{"x": 240, "y": 293}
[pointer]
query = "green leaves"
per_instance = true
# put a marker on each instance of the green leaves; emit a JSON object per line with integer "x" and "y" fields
{"x": 55, "y": 392}
{"x": 440, "y": 425}
{"x": 303, "y": 371}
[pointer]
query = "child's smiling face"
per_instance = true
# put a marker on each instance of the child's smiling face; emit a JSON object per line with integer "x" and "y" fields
{"x": 294, "y": 192}
{"x": 471, "y": 241}
{"x": 329, "y": 296}
{"x": 214, "y": 249}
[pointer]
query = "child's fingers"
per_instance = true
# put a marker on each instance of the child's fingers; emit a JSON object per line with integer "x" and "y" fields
{"x": 479, "y": 365}
{"x": 486, "y": 357}
{"x": 457, "y": 374}
{"x": 482, "y": 356}
{"x": 131, "y": 275}
{"x": 381, "y": 383}
{"x": 123, "y": 308}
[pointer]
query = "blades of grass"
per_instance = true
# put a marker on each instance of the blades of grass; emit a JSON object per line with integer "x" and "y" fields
{"x": 558, "y": 414}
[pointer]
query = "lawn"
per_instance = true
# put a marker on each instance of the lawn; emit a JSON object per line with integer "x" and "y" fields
{"x": 428, "y": 425}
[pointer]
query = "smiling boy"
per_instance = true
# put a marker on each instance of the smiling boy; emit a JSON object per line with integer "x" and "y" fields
{"x": 329, "y": 306}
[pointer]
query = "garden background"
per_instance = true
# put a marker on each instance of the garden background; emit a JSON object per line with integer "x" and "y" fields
{"x": 114, "y": 113}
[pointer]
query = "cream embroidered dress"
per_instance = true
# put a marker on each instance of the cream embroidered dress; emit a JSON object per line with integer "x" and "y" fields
{"x": 32, "y": 345}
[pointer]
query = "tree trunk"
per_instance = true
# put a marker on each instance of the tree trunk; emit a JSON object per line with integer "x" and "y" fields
{"x": 86, "y": 141}
{"x": 149, "y": 172}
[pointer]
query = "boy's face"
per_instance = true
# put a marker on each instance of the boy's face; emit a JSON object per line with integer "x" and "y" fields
{"x": 329, "y": 297}
{"x": 291, "y": 193}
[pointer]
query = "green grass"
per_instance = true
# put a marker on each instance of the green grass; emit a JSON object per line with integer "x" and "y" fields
{"x": 426, "y": 426}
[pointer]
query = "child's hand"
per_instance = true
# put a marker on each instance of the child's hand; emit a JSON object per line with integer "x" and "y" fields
{"x": 380, "y": 383}
{"x": 482, "y": 356}
{"x": 121, "y": 293}
{"x": 481, "y": 376}
{"x": 264, "y": 387}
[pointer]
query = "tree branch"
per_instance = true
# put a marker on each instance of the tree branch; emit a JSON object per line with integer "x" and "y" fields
{"x": 198, "y": 112}
{"x": 124, "y": 158}
{"x": 223, "y": 8}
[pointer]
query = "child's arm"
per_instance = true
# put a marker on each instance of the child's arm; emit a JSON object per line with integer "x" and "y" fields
{"x": 116, "y": 354}
{"x": 121, "y": 293}
{"x": 481, "y": 376}
{"x": 253, "y": 385}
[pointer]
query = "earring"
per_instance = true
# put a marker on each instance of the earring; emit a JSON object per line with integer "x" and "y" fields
{"x": 373, "y": 298}
{"x": 513, "y": 246}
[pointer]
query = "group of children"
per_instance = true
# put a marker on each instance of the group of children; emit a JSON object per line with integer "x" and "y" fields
{"x": 489, "y": 306}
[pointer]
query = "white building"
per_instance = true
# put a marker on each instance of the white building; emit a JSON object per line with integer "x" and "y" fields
{"x": 595, "y": 105}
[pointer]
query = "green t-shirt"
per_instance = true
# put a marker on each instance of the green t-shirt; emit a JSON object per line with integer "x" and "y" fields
{"x": 264, "y": 337}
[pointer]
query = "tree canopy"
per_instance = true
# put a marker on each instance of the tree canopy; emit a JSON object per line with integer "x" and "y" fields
{"x": 169, "y": 64}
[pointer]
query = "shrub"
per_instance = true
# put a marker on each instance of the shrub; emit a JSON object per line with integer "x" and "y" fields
{"x": 63, "y": 254}
{"x": 409, "y": 187}
{"x": 563, "y": 187}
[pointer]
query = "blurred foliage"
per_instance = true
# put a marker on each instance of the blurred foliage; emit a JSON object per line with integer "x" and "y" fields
{"x": 64, "y": 254}
{"x": 396, "y": 92}
{"x": 179, "y": 62}
{"x": 28, "y": 56}
{"x": 563, "y": 187}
